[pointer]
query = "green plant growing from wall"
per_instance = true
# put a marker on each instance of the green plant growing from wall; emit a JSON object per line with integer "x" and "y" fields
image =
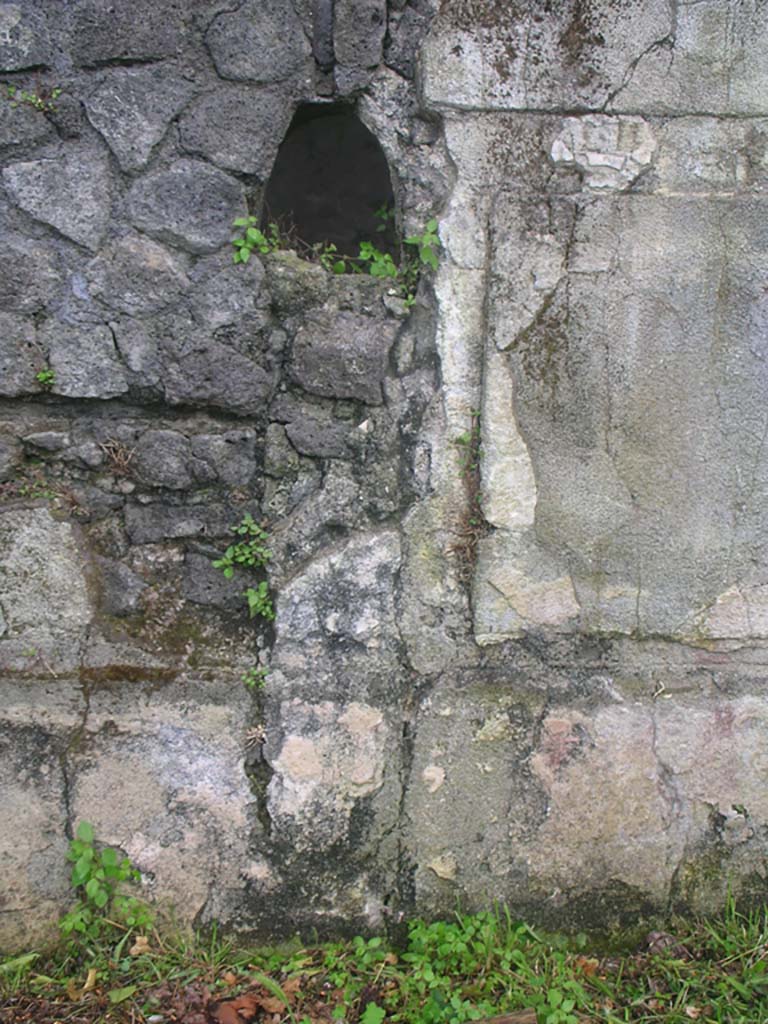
{"x": 249, "y": 552}
{"x": 427, "y": 245}
{"x": 35, "y": 483}
{"x": 385, "y": 215}
{"x": 376, "y": 262}
{"x": 256, "y": 678}
{"x": 421, "y": 252}
{"x": 260, "y": 602}
{"x": 46, "y": 378}
{"x": 329, "y": 259}
{"x": 42, "y": 99}
{"x": 97, "y": 878}
{"x": 254, "y": 238}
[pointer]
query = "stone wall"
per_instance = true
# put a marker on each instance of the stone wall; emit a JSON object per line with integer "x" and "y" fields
{"x": 518, "y": 540}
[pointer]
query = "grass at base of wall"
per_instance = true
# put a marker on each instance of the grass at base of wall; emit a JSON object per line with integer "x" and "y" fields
{"x": 472, "y": 968}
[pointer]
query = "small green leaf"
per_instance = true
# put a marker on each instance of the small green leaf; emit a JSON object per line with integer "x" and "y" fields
{"x": 85, "y": 832}
{"x": 18, "y": 963}
{"x": 428, "y": 256}
{"x": 81, "y": 871}
{"x": 119, "y": 995}
{"x": 110, "y": 858}
{"x": 372, "y": 1014}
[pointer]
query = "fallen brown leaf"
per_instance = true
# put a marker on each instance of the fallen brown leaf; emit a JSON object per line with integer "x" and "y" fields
{"x": 272, "y": 1004}
{"x": 226, "y": 1014}
{"x": 141, "y": 945}
{"x": 291, "y": 987}
{"x": 663, "y": 942}
{"x": 75, "y": 993}
{"x": 236, "y": 1011}
{"x": 587, "y": 965}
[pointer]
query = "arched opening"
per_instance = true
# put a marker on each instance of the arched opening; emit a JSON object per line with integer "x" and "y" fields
{"x": 329, "y": 180}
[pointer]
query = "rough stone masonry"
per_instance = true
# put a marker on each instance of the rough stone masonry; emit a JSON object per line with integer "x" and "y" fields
{"x": 539, "y": 679}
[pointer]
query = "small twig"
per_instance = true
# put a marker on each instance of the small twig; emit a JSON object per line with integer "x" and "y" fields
{"x": 119, "y": 455}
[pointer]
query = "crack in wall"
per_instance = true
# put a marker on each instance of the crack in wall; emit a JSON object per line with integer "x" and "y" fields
{"x": 666, "y": 777}
{"x": 400, "y": 904}
{"x": 72, "y": 745}
{"x": 665, "y": 42}
{"x": 322, "y": 36}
